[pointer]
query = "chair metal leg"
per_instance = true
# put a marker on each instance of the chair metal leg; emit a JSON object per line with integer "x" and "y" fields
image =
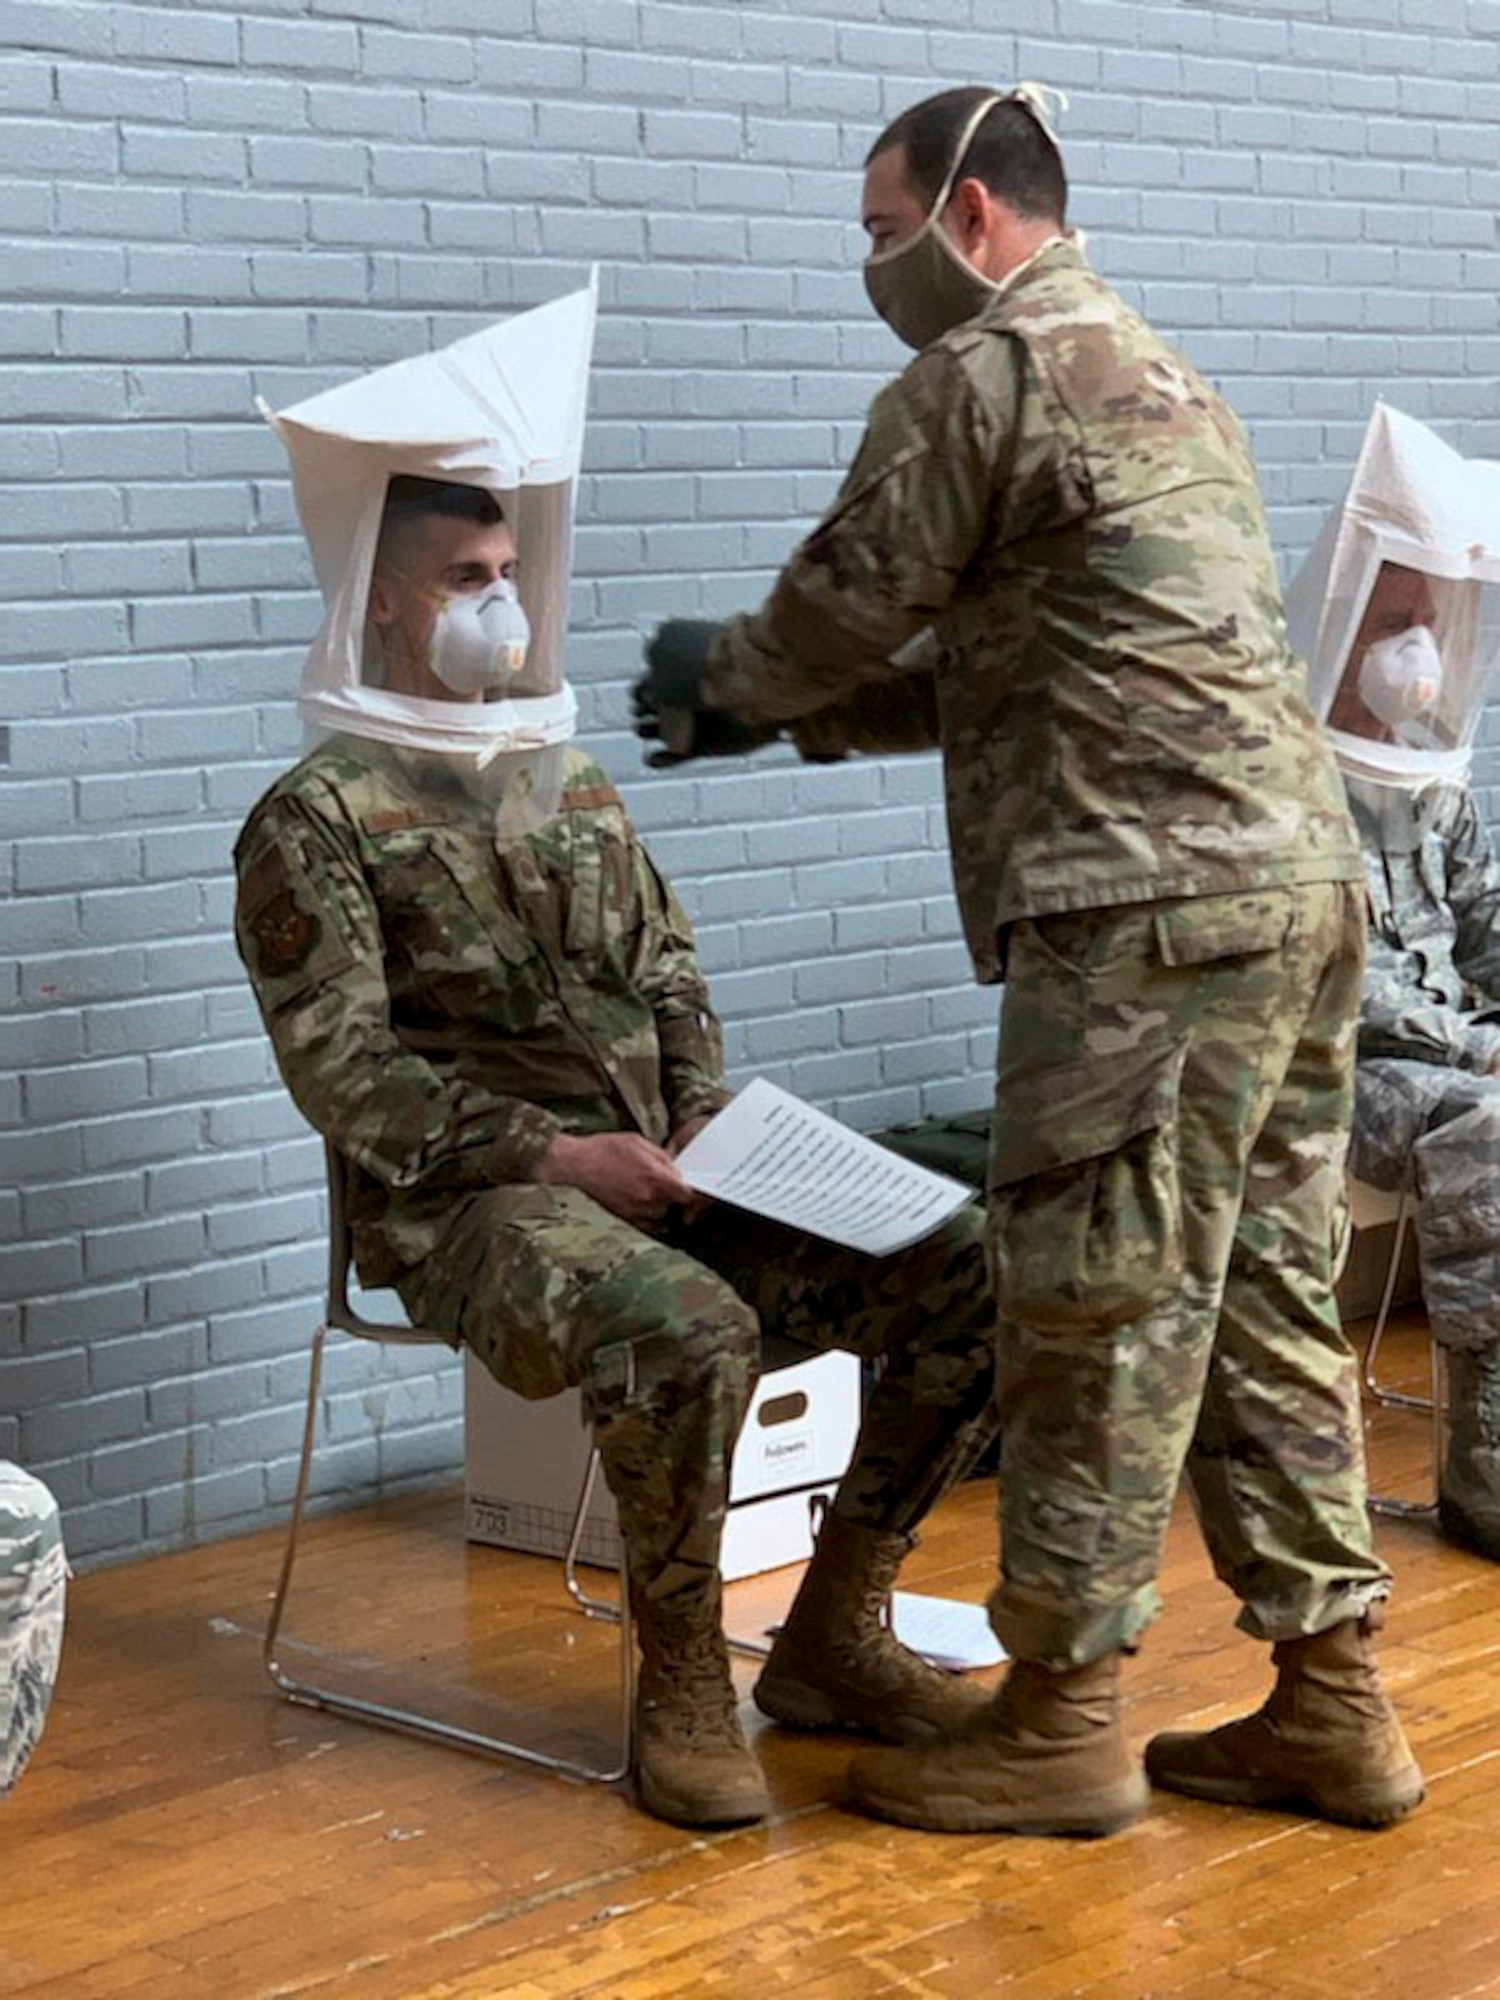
{"x": 1391, "y": 1399}
{"x": 602, "y": 1607}
{"x": 411, "y": 1721}
{"x": 1435, "y": 1405}
{"x": 309, "y": 1428}
{"x": 591, "y": 1607}
{"x": 1401, "y": 1399}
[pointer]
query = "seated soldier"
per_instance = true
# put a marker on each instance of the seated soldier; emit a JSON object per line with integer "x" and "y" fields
{"x": 33, "y": 1580}
{"x": 1401, "y": 701}
{"x": 483, "y": 994}
{"x": 1427, "y": 1098}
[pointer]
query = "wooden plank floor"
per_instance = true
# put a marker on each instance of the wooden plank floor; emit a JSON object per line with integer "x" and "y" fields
{"x": 185, "y": 1835}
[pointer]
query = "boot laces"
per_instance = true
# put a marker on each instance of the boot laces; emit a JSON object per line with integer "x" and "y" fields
{"x": 869, "y": 1642}
{"x": 689, "y": 1688}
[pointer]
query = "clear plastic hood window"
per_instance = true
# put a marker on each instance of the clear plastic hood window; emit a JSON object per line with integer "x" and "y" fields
{"x": 1397, "y": 608}
{"x": 1415, "y": 671}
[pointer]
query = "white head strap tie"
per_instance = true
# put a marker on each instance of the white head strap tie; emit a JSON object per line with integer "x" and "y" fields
{"x": 1031, "y": 96}
{"x": 1043, "y": 101}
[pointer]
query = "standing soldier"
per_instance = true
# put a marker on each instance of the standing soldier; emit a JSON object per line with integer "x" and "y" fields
{"x": 1151, "y": 848}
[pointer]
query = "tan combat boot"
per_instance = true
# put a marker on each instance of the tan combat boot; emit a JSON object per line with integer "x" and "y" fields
{"x": 1326, "y": 1742}
{"x": 1045, "y": 1755}
{"x": 836, "y": 1664}
{"x": 693, "y": 1765}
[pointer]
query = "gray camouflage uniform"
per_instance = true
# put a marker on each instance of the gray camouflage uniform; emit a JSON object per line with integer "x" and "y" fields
{"x": 1150, "y": 842}
{"x": 1427, "y": 1099}
{"x": 33, "y": 1583}
{"x": 442, "y": 1006}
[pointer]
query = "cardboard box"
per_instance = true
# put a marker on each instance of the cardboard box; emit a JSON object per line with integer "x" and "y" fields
{"x": 524, "y": 1463}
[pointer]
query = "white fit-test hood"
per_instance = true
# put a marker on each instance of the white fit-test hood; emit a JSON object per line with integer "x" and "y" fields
{"x": 503, "y": 410}
{"x": 1414, "y": 544}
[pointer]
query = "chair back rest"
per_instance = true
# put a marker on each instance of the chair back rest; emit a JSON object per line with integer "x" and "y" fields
{"x": 340, "y": 1259}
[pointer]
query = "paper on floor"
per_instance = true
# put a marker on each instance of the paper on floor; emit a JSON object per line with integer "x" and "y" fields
{"x": 946, "y": 1633}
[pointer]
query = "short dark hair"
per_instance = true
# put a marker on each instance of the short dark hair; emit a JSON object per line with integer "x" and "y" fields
{"x": 411, "y": 499}
{"x": 1011, "y": 152}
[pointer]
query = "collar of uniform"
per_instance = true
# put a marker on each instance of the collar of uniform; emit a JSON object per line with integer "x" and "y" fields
{"x": 1066, "y": 247}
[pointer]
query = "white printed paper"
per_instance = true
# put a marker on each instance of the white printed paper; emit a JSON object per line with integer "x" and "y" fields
{"x": 947, "y": 1633}
{"x": 771, "y": 1153}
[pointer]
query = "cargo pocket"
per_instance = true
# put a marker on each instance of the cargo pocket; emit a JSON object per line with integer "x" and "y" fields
{"x": 1084, "y": 1195}
{"x": 1241, "y": 924}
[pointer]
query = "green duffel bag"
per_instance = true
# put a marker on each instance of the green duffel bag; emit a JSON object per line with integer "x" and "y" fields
{"x": 957, "y": 1146}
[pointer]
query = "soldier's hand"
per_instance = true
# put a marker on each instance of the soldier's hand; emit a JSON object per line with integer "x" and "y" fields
{"x": 622, "y": 1171}
{"x": 672, "y": 728}
{"x": 684, "y": 1136}
{"x": 668, "y": 700}
{"x": 677, "y": 656}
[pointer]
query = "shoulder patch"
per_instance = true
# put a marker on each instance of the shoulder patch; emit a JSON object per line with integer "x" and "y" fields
{"x": 285, "y": 935}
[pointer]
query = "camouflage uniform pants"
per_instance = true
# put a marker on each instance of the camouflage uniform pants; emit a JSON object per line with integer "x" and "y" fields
{"x": 33, "y": 1574}
{"x": 1167, "y": 1166}
{"x": 1437, "y": 1131}
{"x": 663, "y": 1335}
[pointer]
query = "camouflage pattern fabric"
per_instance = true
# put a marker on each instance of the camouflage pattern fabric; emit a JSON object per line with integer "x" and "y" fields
{"x": 1166, "y": 1174}
{"x": 1427, "y": 1107}
{"x": 663, "y": 1332}
{"x": 1469, "y": 1477}
{"x": 1074, "y": 513}
{"x": 1434, "y": 893}
{"x": 442, "y": 1006}
{"x": 1437, "y": 1132}
{"x": 33, "y": 1582}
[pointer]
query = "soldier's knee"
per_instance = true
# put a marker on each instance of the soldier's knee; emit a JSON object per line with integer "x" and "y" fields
{"x": 1474, "y": 1138}
{"x": 669, "y": 1341}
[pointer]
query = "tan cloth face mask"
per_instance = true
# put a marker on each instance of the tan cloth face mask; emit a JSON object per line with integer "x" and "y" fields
{"x": 925, "y": 286}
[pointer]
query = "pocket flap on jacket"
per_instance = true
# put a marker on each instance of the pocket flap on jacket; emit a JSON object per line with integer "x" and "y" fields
{"x": 1082, "y": 1109}
{"x": 1232, "y": 926}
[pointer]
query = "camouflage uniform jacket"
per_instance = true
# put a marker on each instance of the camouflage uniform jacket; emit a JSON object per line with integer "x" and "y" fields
{"x": 442, "y": 1006}
{"x": 1434, "y": 934}
{"x": 1075, "y": 514}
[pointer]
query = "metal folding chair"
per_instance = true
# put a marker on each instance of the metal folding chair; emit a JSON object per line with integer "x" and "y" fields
{"x": 341, "y": 1316}
{"x": 1369, "y": 1207}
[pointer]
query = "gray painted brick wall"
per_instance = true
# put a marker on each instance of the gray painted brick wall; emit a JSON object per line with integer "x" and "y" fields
{"x": 204, "y": 203}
